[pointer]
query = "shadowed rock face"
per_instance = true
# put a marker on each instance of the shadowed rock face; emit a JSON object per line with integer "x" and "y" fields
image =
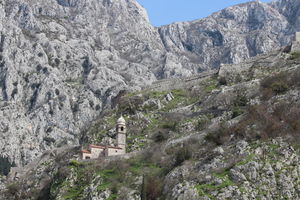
{"x": 61, "y": 61}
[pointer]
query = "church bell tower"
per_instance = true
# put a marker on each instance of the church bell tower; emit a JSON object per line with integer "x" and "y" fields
{"x": 121, "y": 133}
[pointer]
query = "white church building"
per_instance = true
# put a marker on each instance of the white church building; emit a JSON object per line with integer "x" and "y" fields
{"x": 97, "y": 151}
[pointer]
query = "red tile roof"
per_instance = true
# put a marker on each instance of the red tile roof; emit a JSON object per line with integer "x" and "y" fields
{"x": 97, "y": 147}
{"x": 111, "y": 147}
{"x": 85, "y": 151}
{"x": 102, "y": 147}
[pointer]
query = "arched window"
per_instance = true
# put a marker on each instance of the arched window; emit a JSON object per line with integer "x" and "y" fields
{"x": 122, "y": 128}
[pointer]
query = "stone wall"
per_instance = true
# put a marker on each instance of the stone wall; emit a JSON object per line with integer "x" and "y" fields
{"x": 296, "y": 43}
{"x": 297, "y": 39}
{"x": 179, "y": 83}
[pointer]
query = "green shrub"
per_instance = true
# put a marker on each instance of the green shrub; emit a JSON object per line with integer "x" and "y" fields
{"x": 237, "y": 111}
{"x": 152, "y": 188}
{"x": 202, "y": 123}
{"x": 219, "y": 136}
{"x": 240, "y": 100}
{"x": 265, "y": 121}
{"x": 160, "y": 136}
{"x": 294, "y": 79}
{"x": 294, "y": 55}
{"x": 13, "y": 188}
{"x": 74, "y": 163}
{"x": 170, "y": 125}
{"x": 178, "y": 93}
{"x": 222, "y": 81}
{"x": 279, "y": 87}
{"x": 210, "y": 85}
{"x": 274, "y": 85}
{"x": 182, "y": 155}
{"x": 5, "y": 165}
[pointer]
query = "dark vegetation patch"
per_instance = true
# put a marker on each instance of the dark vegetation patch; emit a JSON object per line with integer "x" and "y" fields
{"x": 75, "y": 108}
{"x": 39, "y": 67}
{"x": 261, "y": 123}
{"x": 269, "y": 119}
{"x": 57, "y": 92}
{"x": 14, "y": 93}
{"x": 86, "y": 65}
{"x": 294, "y": 55}
{"x": 222, "y": 81}
{"x": 239, "y": 105}
{"x": 45, "y": 70}
{"x": 35, "y": 87}
{"x": 57, "y": 62}
{"x": 98, "y": 107}
{"x": 5, "y": 165}
{"x": 279, "y": 83}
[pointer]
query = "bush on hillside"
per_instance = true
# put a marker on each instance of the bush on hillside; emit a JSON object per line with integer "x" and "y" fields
{"x": 182, "y": 155}
{"x": 219, "y": 136}
{"x": 202, "y": 123}
{"x": 5, "y": 165}
{"x": 152, "y": 188}
{"x": 294, "y": 55}
{"x": 274, "y": 85}
{"x": 261, "y": 122}
{"x": 171, "y": 125}
{"x": 222, "y": 81}
{"x": 161, "y": 135}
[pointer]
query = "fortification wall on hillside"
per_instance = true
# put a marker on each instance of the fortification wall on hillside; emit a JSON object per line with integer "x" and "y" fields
{"x": 179, "y": 83}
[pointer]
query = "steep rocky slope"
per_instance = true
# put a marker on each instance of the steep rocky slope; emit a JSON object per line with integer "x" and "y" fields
{"x": 231, "y": 35}
{"x": 61, "y": 62}
{"x": 232, "y": 135}
{"x": 289, "y": 9}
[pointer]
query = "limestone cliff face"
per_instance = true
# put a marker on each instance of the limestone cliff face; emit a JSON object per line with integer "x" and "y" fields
{"x": 229, "y": 36}
{"x": 61, "y": 61}
{"x": 290, "y": 10}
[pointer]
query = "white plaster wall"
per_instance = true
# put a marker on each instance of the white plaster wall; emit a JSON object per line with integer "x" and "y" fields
{"x": 114, "y": 152}
{"x": 84, "y": 155}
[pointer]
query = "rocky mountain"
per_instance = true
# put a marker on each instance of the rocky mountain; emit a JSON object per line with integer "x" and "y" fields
{"x": 290, "y": 10}
{"x": 231, "y": 35}
{"x": 63, "y": 61}
{"x": 232, "y": 134}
